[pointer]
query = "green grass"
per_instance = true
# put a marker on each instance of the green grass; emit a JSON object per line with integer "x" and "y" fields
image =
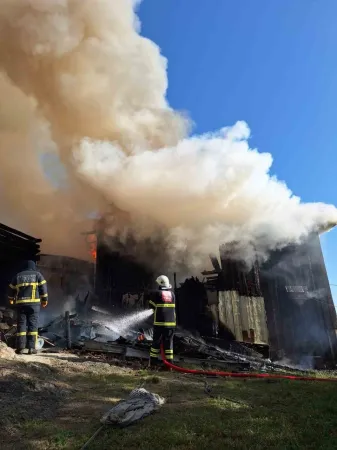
{"x": 247, "y": 415}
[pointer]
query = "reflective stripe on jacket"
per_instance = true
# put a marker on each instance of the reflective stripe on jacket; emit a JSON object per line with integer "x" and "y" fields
{"x": 28, "y": 287}
{"x": 163, "y": 303}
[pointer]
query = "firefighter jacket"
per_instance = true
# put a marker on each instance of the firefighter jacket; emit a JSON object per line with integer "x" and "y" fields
{"x": 28, "y": 288}
{"x": 163, "y": 303}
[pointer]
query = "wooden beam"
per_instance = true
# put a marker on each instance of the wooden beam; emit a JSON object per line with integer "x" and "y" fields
{"x": 209, "y": 272}
{"x": 18, "y": 233}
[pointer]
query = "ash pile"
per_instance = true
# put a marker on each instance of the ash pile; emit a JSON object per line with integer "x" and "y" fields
{"x": 90, "y": 329}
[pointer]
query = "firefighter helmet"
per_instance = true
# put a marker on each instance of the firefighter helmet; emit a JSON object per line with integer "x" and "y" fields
{"x": 163, "y": 281}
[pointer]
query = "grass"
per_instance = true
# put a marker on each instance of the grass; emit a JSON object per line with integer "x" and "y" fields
{"x": 252, "y": 414}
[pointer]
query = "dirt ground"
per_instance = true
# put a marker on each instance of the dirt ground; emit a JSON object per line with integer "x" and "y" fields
{"x": 50, "y": 387}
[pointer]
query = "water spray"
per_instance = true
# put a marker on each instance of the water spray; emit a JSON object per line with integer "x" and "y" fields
{"x": 100, "y": 310}
{"x": 122, "y": 325}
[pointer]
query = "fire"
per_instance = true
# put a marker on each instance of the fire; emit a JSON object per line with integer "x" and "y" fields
{"x": 92, "y": 241}
{"x": 93, "y": 254}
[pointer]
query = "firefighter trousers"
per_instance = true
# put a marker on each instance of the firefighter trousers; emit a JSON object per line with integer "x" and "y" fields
{"x": 27, "y": 326}
{"x": 161, "y": 335}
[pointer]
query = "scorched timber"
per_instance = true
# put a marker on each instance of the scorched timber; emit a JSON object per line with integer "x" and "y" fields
{"x": 18, "y": 234}
{"x": 21, "y": 246}
{"x": 16, "y": 245}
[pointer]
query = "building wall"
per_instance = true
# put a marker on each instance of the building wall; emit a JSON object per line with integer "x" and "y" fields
{"x": 191, "y": 306}
{"x": 119, "y": 278}
{"x": 66, "y": 274}
{"x": 301, "y": 315}
{"x": 244, "y": 316}
{"x": 69, "y": 280}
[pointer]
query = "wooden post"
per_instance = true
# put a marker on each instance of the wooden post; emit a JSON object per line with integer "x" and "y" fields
{"x": 67, "y": 330}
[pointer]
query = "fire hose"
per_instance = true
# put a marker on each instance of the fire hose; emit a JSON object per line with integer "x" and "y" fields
{"x": 238, "y": 375}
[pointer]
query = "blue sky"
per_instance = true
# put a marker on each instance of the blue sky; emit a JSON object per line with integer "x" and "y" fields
{"x": 270, "y": 63}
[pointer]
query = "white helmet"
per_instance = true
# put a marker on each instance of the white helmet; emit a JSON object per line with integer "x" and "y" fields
{"x": 163, "y": 281}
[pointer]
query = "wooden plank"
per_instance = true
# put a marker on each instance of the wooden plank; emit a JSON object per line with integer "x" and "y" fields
{"x": 18, "y": 233}
{"x": 215, "y": 263}
{"x": 94, "y": 346}
{"x": 18, "y": 246}
{"x": 209, "y": 272}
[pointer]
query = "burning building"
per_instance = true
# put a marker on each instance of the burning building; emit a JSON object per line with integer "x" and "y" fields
{"x": 132, "y": 153}
{"x": 283, "y": 306}
{"x": 230, "y": 302}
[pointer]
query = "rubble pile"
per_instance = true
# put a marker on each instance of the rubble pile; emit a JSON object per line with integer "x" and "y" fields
{"x": 7, "y": 318}
{"x": 90, "y": 332}
{"x": 189, "y": 346}
{"x": 93, "y": 336}
{"x": 7, "y": 323}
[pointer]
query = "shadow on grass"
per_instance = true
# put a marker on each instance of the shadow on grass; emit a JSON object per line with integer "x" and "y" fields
{"x": 101, "y": 358}
{"x": 250, "y": 415}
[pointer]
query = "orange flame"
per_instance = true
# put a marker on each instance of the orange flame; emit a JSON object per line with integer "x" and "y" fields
{"x": 93, "y": 254}
{"x": 92, "y": 241}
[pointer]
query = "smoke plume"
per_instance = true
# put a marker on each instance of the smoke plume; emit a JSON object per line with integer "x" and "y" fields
{"x": 85, "y": 128}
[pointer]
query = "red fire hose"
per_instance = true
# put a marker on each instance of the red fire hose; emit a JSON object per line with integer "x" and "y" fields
{"x": 238, "y": 375}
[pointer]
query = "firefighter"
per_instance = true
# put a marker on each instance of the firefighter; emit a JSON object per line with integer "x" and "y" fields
{"x": 27, "y": 292}
{"x": 163, "y": 304}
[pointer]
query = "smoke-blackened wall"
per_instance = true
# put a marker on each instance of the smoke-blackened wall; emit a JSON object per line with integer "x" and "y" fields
{"x": 236, "y": 274}
{"x": 119, "y": 275}
{"x": 192, "y": 304}
{"x": 70, "y": 283}
{"x": 300, "y": 311}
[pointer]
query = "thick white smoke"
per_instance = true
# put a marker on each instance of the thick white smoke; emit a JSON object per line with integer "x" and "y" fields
{"x": 80, "y": 84}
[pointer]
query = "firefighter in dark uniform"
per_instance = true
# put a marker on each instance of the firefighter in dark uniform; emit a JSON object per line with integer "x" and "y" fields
{"x": 27, "y": 292}
{"x": 162, "y": 301}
